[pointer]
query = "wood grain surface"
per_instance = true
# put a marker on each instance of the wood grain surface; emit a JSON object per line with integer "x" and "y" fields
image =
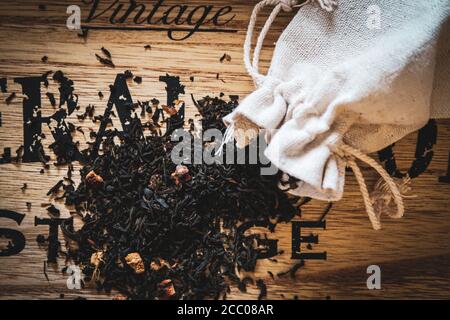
{"x": 413, "y": 253}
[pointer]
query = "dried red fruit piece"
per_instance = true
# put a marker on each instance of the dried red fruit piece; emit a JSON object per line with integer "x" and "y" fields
{"x": 93, "y": 179}
{"x": 181, "y": 173}
{"x": 166, "y": 289}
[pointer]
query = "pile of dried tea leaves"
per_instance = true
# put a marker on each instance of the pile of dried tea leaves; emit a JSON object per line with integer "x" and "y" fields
{"x": 157, "y": 230}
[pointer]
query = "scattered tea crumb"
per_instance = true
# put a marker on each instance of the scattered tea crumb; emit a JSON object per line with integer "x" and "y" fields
{"x": 106, "y": 52}
{"x": 137, "y": 79}
{"x": 11, "y": 97}
{"x": 225, "y": 57}
{"x": 45, "y": 271}
{"x": 262, "y": 289}
{"x": 128, "y": 74}
{"x": 44, "y": 59}
{"x": 41, "y": 239}
{"x": 105, "y": 61}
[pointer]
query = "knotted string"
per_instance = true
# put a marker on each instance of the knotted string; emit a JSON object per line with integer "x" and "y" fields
{"x": 349, "y": 154}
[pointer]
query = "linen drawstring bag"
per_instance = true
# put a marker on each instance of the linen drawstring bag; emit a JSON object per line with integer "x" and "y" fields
{"x": 341, "y": 85}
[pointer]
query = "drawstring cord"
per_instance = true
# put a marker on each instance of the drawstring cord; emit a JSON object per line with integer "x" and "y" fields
{"x": 349, "y": 154}
{"x": 252, "y": 66}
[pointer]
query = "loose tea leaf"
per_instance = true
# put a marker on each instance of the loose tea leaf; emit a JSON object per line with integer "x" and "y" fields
{"x": 262, "y": 289}
{"x": 225, "y": 57}
{"x": 128, "y": 74}
{"x": 105, "y": 61}
{"x": 137, "y": 79}
{"x": 106, "y": 52}
{"x": 10, "y": 98}
{"x": 167, "y": 230}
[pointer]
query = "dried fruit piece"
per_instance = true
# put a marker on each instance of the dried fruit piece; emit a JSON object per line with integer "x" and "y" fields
{"x": 181, "y": 173}
{"x": 93, "y": 179}
{"x": 170, "y": 110}
{"x": 166, "y": 289}
{"x": 97, "y": 258}
{"x": 134, "y": 260}
{"x": 158, "y": 264}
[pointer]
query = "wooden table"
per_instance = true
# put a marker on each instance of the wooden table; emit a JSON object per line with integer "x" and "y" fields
{"x": 413, "y": 253}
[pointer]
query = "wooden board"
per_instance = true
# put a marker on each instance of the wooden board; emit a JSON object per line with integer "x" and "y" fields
{"x": 413, "y": 253}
